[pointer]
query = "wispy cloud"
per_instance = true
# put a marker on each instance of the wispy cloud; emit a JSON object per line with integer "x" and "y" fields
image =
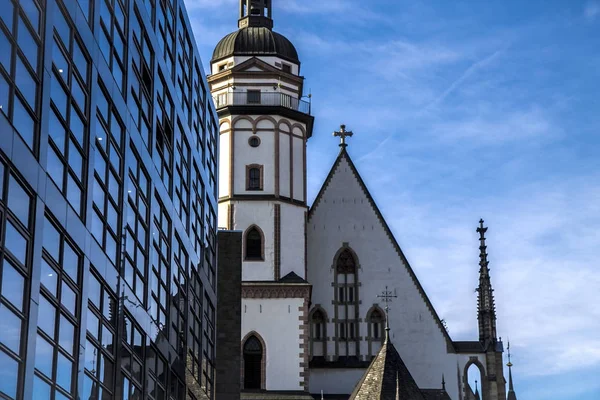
{"x": 591, "y": 10}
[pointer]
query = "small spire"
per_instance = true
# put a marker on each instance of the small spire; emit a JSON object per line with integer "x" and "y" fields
{"x": 477, "y": 391}
{"x": 397, "y": 385}
{"x": 387, "y": 297}
{"x": 511, "y": 389}
{"x": 443, "y": 383}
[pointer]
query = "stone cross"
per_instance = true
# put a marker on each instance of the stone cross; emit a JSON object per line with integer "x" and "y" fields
{"x": 343, "y": 133}
{"x": 387, "y": 297}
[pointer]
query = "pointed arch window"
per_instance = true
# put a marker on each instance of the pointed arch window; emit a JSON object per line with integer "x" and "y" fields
{"x": 254, "y": 245}
{"x": 253, "y": 363}
{"x": 376, "y": 320}
{"x": 318, "y": 333}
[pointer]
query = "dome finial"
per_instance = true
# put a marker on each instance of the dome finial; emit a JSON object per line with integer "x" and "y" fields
{"x": 256, "y": 13}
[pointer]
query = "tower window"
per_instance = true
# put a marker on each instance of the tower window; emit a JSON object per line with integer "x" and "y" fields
{"x": 254, "y": 141}
{"x": 254, "y": 244}
{"x": 253, "y": 96}
{"x": 254, "y": 179}
{"x": 286, "y": 68}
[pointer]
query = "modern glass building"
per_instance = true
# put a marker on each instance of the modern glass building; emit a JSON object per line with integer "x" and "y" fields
{"x": 108, "y": 202}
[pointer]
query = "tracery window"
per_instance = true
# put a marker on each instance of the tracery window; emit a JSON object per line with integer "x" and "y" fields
{"x": 253, "y": 363}
{"x": 346, "y": 303}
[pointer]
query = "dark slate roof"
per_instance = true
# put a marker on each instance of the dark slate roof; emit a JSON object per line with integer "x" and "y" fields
{"x": 292, "y": 277}
{"x": 387, "y": 378}
{"x": 274, "y": 395}
{"x": 255, "y": 41}
{"x": 468, "y": 347}
{"x": 435, "y": 394}
{"x": 344, "y": 155}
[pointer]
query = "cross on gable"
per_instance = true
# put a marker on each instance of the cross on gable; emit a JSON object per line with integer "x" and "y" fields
{"x": 387, "y": 297}
{"x": 343, "y": 134}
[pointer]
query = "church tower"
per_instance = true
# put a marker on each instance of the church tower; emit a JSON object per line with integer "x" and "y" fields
{"x": 264, "y": 123}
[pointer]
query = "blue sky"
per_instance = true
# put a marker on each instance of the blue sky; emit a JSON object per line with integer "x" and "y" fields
{"x": 462, "y": 110}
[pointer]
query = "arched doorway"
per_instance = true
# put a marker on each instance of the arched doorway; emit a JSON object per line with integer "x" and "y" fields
{"x": 253, "y": 363}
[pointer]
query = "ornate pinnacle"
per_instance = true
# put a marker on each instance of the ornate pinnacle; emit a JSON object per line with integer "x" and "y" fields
{"x": 485, "y": 297}
{"x": 387, "y": 297}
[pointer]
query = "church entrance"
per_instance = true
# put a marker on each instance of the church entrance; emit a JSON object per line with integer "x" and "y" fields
{"x": 253, "y": 355}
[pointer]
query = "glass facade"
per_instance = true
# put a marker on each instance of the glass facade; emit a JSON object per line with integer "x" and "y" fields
{"x": 108, "y": 203}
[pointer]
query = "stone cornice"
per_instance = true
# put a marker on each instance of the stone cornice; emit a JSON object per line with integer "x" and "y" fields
{"x": 266, "y": 290}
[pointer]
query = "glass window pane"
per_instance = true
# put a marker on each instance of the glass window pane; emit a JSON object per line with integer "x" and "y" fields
{"x": 75, "y": 160}
{"x": 46, "y": 316}
{"x": 26, "y": 84}
{"x": 77, "y": 126}
{"x": 92, "y": 324}
{"x": 18, "y": 201}
{"x": 48, "y": 278}
{"x": 1, "y": 181}
{"x": 80, "y": 61}
{"x": 56, "y": 131}
{"x": 73, "y": 194}
{"x": 58, "y": 95}
{"x": 13, "y": 285}
{"x": 78, "y": 94}
{"x": 9, "y": 373}
{"x": 28, "y": 45}
{"x": 33, "y": 13}
{"x": 70, "y": 261}
{"x": 94, "y": 291}
{"x": 64, "y": 373}
{"x": 24, "y": 123}
{"x": 55, "y": 168}
{"x": 61, "y": 26}
{"x": 4, "y": 95}
{"x": 68, "y": 298}
{"x": 10, "y": 334}
{"x": 44, "y": 352}
{"x": 5, "y": 54}
{"x": 51, "y": 240}
{"x": 66, "y": 335}
{"x": 15, "y": 242}
{"x": 41, "y": 390}
{"x": 6, "y": 13}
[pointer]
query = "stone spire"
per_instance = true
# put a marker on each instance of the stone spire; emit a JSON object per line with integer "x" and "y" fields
{"x": 485, "y": 300}
{"x": 511, "y": 389}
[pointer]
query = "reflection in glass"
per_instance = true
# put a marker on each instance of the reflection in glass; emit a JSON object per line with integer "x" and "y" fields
{"x": 48, "y": 278}
{"x": 15, "y": 243}
{"x": 13, "y": 284}
{"x": 23, "y": 122}
{"x": 18, "y": 201}
{"x": 9, "y": 371}
{"x": 46, "y": 316}
{"x": 27, "y": 44}
{"x": 41, "y": 390}
{"x": 10, "y": 334}
{"x": 66, "y": 335}
{"x": 43, "y": 356}
{"x": 55, "y": 167}
{"x": 70, "y": 261}
{"x": 64, "y": 372}
{"x": 5, "y": 54}
{"x": 6, "y": 13}
{"x": 68, "y": 298}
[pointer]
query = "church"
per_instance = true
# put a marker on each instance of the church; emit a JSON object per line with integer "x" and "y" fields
{"x": 330, "y": 306}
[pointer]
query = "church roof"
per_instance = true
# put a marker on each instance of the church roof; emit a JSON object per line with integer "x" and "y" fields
{"x": 343, "y": 155}
{"x": 255, "y": 41}
{"x": 387, "y": 378}
{"x": 292, "y": 277}
{"x": 435, "y": 394}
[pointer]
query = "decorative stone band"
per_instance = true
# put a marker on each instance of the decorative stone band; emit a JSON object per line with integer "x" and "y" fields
{"x": 275, "y": 290}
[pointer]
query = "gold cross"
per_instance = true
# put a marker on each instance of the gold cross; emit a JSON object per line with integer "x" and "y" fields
{"x": 343, "y": 133}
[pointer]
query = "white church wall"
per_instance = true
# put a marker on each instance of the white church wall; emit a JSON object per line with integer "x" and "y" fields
{"x": 277, "y": 321}
{"x": 284, "y": 165}
{"x": 292, "y": 240}
{"x": 224, "y": 165}
{"x": 298, "y": 173}
{"x": 344, "y": 215}
{"x": 245, "y": 155}
{"x": 331, "y": 380}
{"x": 259, "y": 213}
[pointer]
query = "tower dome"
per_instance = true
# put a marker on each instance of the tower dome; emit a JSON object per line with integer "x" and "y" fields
{"x": 255, "y": 40}
{"x": 255, "y": 35}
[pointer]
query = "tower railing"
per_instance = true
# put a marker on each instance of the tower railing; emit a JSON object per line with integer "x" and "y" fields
{"x": 256, "y": 98}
